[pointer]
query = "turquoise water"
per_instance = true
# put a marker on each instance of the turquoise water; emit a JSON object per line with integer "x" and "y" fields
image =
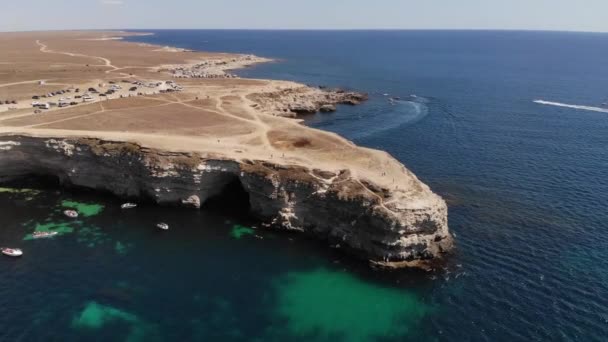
{"x": 112, "y": 275}
{"x": 525, "y": 181}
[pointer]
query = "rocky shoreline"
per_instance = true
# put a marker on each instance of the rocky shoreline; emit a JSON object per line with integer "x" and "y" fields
{"x": 302, "y": 100}
{"x": 213, "y": 68}
{"x": 332, "y": 206}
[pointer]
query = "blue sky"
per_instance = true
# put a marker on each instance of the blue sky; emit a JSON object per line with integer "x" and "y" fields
{"x": 567, "y": 15}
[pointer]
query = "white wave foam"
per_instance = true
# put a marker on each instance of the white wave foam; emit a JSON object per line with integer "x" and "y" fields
{"x": 403, "y": 113}
{"x": 565, "y": 105}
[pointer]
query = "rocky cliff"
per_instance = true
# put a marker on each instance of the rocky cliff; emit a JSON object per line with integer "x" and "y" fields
{"x": 369, "y": 221}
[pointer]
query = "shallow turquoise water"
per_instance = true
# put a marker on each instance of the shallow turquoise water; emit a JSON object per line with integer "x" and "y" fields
{"x": 115, "y": 276}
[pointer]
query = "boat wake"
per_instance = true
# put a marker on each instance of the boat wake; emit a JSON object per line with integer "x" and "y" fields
{"x": 413, "y": 110}
{"x": 565, "y": 105}
{"x": 403, "y": 112}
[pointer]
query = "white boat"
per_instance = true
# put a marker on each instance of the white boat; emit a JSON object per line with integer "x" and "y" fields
{"x": 128, "y": 206}
{"x": 14, "y": 252}
{"x": 71, "y": 213}
{"x": 163, "y": 226}
{"x": 42, "y": 235}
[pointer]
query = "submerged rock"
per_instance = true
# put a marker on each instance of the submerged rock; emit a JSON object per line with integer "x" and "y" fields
{"x": 327, "y": 108}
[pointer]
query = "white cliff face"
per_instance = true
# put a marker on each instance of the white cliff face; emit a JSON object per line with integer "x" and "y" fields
{"x": 331, "y": 206}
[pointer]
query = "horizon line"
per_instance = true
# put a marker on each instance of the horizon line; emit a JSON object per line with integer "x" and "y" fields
{"x": 313, "y": 29}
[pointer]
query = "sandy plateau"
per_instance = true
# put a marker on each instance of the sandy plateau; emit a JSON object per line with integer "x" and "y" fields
{"x": 178, "y": 101}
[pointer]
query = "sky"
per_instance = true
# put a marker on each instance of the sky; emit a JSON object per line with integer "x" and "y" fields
{"x": 560, "y": 15}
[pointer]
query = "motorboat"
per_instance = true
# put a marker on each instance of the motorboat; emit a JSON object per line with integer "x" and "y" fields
{"x": 42, "y": 235}
{"x": 13, "y": 252}
{"x": 71, "y": 213}
{"x": 163, "y": 226}
{"x": 128, "y": 206}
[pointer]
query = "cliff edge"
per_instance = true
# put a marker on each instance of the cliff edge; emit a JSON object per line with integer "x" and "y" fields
{"x": 174, "y": 127}
{"x": 389, "y": 227}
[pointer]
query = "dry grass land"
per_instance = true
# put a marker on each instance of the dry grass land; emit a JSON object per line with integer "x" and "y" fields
{"x": 208, "y": 116}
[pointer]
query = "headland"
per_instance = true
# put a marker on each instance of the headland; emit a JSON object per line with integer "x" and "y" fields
{"x": 178, "y": 127}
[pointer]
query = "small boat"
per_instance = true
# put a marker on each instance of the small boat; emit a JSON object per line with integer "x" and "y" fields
{"x": 163, "y": 226}
{"x": 41, "y": 235}
{"x": 71, "y": 213}
{"x": 128, "y": 206}
{"x": 14, "y": 252}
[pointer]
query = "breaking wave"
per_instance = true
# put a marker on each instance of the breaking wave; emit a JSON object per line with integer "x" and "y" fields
{"x": 565, "y": 105}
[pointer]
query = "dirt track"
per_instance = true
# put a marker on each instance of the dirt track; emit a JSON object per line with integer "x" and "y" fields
{"x": 208, "y": 115}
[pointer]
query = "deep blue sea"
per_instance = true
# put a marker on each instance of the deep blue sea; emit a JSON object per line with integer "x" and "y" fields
{"x": 509, "y": 127}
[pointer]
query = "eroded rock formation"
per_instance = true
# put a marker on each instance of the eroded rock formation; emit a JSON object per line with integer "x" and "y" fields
{"x": 300, "y": 100}
{"x": 370, "y": 221}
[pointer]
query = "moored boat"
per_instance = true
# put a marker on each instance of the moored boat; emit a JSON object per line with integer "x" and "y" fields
{"x": 71, "y": 213}
{"x": 13, "y": 252}
{"x": 163, "y": 226}
{"x": 128, "y": 206}
{"x": 41, "y": 235}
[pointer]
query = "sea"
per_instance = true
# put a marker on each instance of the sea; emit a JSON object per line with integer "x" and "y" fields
{"x": 511, "y": 128}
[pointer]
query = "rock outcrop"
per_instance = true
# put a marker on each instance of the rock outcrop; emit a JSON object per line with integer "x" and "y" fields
{"x": 333, "y": 206}
{"x": 300, "y": 100}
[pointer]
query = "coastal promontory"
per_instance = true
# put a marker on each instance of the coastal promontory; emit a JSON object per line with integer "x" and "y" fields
{"x": 177, "y": 127}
